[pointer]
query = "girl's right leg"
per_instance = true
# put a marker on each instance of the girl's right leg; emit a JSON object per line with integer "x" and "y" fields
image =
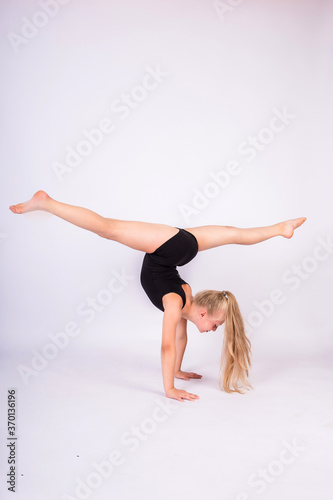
{"x": 144, "y": 236}
{"x": 215, "y": 236}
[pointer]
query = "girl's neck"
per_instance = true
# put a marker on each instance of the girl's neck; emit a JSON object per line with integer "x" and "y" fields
{"x": 189, "y": 310}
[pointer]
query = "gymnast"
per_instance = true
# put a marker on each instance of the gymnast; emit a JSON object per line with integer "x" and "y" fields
{"x": 165, "y": 248}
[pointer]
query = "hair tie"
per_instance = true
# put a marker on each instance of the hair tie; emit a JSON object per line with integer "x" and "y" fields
{"x": 226, "y": 296}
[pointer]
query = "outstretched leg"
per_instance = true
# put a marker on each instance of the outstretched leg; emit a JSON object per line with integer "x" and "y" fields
{"x": 215, "y": 236}
{"x": 144, "y": 236}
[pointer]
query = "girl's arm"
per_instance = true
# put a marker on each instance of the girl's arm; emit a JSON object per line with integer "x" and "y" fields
{"x": 181, "y": 342}
{"x": 171, "y": 318}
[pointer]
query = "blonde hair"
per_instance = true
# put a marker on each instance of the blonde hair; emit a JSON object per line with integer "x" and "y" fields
{"x": 236, "y": 348}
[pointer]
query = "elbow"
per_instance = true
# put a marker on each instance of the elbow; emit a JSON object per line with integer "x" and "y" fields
{"x": 167, "y": 348}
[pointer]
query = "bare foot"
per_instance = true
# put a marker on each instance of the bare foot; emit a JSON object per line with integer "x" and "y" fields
{"x": 37, "y": 202}
{"x": 288, "y": 227}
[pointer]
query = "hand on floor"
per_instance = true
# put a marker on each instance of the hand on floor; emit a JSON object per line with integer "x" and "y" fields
{"x": 180, "y": 395}
{"x": 187, "y": 375}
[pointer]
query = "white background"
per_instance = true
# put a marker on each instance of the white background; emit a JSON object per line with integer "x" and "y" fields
{"x": 226, "y": 71}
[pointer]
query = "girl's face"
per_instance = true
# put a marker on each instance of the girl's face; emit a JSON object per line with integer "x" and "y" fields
{"x": 208, "y": 323}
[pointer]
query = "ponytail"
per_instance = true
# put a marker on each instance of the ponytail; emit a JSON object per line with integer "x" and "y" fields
{"x": 236, "y": 350}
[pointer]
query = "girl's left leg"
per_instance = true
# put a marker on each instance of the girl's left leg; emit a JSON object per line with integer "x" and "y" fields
{"x": 144, "y": 236}
{"x": 215, "y": 236}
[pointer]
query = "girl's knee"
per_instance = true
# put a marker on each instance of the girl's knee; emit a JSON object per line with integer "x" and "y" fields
{"x": 109, "y": 229}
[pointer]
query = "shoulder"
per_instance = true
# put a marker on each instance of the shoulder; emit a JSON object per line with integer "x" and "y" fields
{"x": 172, "y": 303}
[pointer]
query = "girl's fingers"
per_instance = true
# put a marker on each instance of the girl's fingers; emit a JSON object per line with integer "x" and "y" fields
{"x": 188, "y": 395}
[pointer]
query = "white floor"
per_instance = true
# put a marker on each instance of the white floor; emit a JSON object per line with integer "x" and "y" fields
{"x": 83, "y": 412}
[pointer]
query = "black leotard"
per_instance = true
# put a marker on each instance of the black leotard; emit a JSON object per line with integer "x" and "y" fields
{"x": 159, "y": 275}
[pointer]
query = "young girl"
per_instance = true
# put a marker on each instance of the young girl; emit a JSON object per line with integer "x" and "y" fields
{"x": 165, "y": 248}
